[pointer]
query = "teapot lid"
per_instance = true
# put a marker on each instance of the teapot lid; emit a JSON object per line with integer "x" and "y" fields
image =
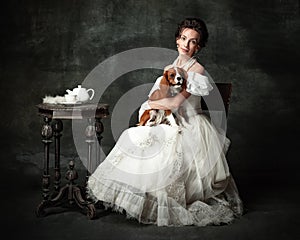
{"x": 78, "y": 88}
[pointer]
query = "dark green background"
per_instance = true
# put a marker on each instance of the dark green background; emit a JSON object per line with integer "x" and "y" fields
{"x": 49, "y": 46}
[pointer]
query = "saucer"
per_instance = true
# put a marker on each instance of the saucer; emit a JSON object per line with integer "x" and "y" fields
{"x": 70, "y": 103}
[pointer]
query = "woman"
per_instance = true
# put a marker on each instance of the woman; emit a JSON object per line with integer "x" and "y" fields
{"x": 172, "y": 175}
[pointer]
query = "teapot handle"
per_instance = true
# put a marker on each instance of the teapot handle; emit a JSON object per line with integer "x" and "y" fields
{"x": 93, "y": 93}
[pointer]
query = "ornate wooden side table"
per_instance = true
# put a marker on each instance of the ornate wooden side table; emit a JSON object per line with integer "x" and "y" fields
{"x": 71, "y": 194}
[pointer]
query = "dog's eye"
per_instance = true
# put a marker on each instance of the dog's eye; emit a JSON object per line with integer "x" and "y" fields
{"x": 172, "y": 75}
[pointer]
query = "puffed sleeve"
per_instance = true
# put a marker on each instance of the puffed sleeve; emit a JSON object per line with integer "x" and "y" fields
{"x": 198, "y": 84}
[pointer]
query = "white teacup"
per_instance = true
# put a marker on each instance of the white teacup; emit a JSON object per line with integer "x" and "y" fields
{"x": 70, "y": 98}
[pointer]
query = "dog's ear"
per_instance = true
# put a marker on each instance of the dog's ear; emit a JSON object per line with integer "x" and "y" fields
{"x": 182, "y": 73}
{"x": 184, "y": 84}
{"x": 166, "y": 74}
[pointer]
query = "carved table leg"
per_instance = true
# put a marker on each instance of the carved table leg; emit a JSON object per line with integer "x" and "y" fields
{"x": 99, "y": 130}
{"x": 90, "y": 140}
{"x": 75, "y": 193}
{"x": 47, "y": 134}
{"x": 57, "y": 126}
{"x": 71, "y": 194}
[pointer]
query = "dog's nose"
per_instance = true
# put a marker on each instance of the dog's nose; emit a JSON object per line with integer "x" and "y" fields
{"x": 179, "y": 81}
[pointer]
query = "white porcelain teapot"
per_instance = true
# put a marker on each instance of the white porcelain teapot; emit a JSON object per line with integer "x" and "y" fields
{"x": 82, "y": 94}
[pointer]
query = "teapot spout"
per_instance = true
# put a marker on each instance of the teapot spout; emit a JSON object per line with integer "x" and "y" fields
{"x": 69, "y": 91}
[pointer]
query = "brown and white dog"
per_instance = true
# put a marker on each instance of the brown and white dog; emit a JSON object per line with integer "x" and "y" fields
{"x": 173, "y": 82}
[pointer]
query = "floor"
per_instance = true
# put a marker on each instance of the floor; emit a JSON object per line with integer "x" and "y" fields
{"x": 271, "y": 213}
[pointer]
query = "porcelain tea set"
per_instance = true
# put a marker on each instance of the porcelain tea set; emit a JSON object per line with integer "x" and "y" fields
{"x": 79, "y": 95}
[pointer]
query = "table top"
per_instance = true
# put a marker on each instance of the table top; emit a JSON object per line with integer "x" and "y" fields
{"x": 73, "y": 111}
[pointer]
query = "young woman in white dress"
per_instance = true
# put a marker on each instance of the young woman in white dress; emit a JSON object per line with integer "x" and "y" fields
{"x": 172, "y": 175}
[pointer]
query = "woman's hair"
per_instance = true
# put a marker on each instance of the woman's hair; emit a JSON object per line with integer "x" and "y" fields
{"x": 196, "y": 24}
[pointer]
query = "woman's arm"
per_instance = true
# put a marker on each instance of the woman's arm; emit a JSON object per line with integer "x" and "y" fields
{"x": 171, "y": 102}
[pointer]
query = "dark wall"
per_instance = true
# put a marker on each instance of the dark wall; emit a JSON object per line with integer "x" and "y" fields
{"x": 49, "y": 46}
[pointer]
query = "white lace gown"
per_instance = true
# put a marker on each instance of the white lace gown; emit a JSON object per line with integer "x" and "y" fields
{"x": 171, "y": 175}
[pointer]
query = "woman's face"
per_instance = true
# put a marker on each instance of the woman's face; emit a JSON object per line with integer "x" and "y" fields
{"x": 188, "y": 42}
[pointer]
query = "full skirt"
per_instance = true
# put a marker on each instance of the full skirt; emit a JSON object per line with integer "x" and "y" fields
{"x": 169, "y": 175}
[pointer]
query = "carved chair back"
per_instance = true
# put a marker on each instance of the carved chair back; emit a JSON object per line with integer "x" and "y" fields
{"x": 223, "y": 89}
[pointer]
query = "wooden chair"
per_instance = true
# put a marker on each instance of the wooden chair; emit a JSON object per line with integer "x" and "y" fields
{"x": 223, "y": 89}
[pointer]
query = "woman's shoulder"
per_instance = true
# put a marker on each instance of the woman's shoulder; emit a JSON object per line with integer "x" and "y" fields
{"x": 168, "y": 67}
{"x": 198, "y": 68}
